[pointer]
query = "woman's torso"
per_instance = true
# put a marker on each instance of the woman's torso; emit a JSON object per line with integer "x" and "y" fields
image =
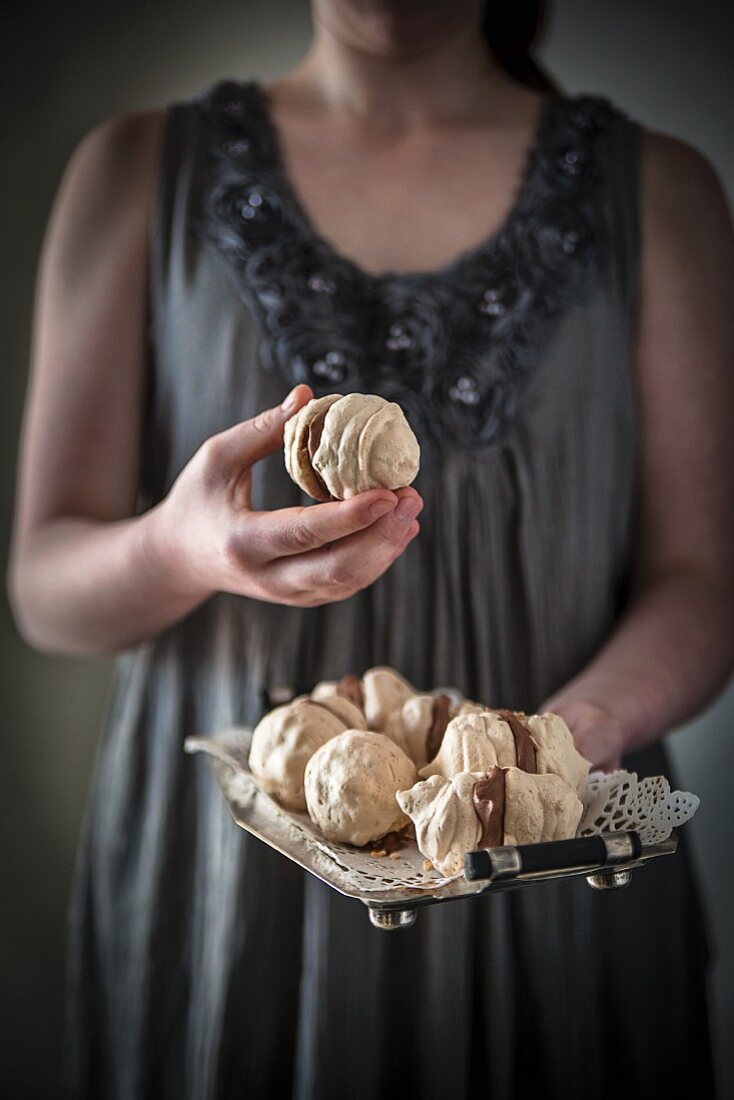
{"x": 513, "y": 363}
{"x": 211, "y": 963}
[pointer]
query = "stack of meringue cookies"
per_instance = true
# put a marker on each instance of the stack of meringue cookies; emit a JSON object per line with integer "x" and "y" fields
{"x": 374, "y": 762}
{"x": 337, "y": 447}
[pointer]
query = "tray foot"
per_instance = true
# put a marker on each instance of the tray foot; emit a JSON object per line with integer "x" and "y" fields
{"x": 389, "y": 920}
{"x": 609, "y": 880}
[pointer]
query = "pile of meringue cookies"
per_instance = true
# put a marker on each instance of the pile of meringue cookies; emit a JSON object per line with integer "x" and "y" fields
{"x": 377, "y": 763}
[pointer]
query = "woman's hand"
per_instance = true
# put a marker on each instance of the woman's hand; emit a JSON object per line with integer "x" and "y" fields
{"x": 213, "y": 541}
{"x": 88, "y": 574}
{"x": 598, "y": 734}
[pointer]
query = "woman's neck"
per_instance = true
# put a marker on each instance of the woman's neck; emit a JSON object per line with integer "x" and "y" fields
{"x": 454, "y": 79}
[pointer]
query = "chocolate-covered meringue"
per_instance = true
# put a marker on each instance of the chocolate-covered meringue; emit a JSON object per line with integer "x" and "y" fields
{"x": 475, "y": 742}
{"x": 471, "y": 743}
{"x": 339, "y": 446}
{"x": 556, "y": 751}
{"x": 446, "y": 824}
{"x": 301, "y": 438}
{"x": 539, "y": 808}
{"x": 468, "y": 706}
{"x": 418, "y": 726}
{"x": 328, "y": 695}
{"x": 498, "y": 806}
{"x": 349, "y": 687}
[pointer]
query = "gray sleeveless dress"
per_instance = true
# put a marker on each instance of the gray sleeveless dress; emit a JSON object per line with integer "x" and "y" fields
{"x": 203, "y": 964}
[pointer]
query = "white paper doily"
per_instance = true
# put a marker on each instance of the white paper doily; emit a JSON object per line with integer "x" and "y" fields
{"x": 618, "y": 800}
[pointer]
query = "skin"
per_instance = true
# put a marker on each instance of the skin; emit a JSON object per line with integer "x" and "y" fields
{"x": 389, "y": 93}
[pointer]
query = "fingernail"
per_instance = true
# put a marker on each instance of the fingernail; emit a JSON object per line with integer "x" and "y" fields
{"x": 290, "y": 401}
{"x": 381, "y": 508}
{"x": 408, "y": 509}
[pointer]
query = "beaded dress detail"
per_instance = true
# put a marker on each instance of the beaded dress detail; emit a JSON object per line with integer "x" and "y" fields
{"x": 453, "y": 347}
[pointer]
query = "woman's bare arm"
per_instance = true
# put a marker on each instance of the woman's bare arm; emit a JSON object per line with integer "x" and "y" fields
{"x": 81, "y": 440}
{"x": 88, "y": 575}
{"x": 673, "y": 648}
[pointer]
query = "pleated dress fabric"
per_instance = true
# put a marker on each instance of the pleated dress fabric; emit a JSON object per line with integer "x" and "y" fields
{"x": 205, "y": 965}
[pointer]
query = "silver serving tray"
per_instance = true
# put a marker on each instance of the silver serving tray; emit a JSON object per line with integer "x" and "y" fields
{"x": 397, "y": 907}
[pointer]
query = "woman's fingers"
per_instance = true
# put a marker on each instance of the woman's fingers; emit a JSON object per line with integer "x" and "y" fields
{"x": 290, "y": 531}
{"x": 341, "y": 568}
{"x": 597, "y": 733}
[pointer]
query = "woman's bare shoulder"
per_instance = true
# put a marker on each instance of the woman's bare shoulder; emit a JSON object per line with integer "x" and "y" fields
{"x": 677, "y": 178}
{"x": 122, "y": 139}
{"x": 119, "y": 154}
{"x": 107, "y": 192}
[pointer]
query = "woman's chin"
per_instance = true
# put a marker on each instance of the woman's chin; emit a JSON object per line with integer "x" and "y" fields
{"x": 396, "y": 30}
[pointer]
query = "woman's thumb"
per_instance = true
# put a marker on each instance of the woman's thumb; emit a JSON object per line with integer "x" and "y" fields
{"x": 246, "y": 443}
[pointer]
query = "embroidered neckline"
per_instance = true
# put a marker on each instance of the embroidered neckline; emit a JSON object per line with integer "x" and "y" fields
{"x": 453, "y": 345}
{"x": 447, "y": 269}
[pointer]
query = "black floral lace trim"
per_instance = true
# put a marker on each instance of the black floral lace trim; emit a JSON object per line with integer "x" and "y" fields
{"x": 454, "y": 346}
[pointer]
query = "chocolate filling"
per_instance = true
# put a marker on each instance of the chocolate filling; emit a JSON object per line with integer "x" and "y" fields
{"x": 350, "y": 687}
{"x": 439, "y": 721}
{"x": 527, "y": 759}
{"x": 488, "y": 797}
{"x": 315, "y": 431}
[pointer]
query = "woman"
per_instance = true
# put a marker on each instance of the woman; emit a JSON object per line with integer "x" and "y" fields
{"x": 544, "y": 289}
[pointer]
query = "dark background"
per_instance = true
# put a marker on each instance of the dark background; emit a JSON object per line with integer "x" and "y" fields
{"x": 64, "y": 68}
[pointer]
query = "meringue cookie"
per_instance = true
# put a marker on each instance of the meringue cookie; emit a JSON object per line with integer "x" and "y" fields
{"x": 325, "y": 689}
{"x": 468, "y": 706}
{"x": 446, "y": 823}
{"x": 301, "y": 438}
{"x": 556, "y": 751}
{"x": 350, "y": 714}
{"x": 475, "y": 742}
{"x": 384, "y": 690}
{"x": 351, "y": 783}
{"x": 419, "y": 721}
{"x": 282, "y": 744}
{"x": 533, "y": 808}
{"x": 539, "y": 808}
{"x": 472, "y": 743}
{"x": 378, "y": 696}
{"x": 349, "y": 687}
{"x": 339, "y": 446}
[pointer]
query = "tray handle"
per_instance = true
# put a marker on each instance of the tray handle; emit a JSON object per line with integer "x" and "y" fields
{"x": 555, "y": 855}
